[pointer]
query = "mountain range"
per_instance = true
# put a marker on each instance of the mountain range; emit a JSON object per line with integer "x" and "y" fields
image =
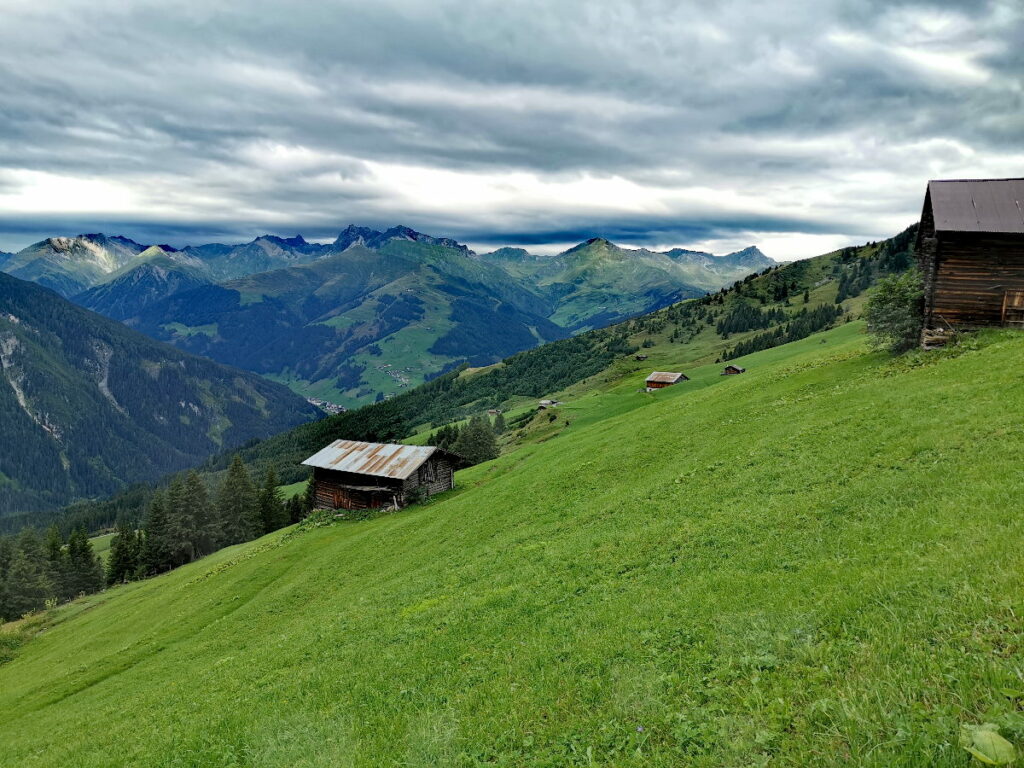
{"x": 373, "y": 312}
{"x": 89, "y": 406}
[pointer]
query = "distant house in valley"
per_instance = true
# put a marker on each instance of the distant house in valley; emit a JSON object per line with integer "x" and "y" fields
{"x": 353, "y": 475}
{"x": 732, "y": 370}
{"x": 662, "y": 379}
{"x": 970, "y": 247}
{"x": 641, "y": 357}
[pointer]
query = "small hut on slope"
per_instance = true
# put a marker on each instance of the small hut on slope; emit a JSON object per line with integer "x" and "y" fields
{"x": 353, "y": 475}
{"x": 660, "y": 379}
{"x": 970, "y": 247}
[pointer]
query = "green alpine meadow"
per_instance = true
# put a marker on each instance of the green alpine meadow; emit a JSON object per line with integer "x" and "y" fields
{"x": 475, "y": 384}
{"x": 813, "y": 563}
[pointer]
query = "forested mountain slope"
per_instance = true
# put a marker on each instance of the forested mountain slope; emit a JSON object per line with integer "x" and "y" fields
{"x": 359, "y": 323}
{"x": 130, "y": 291}
{"x": 597, "y": 282}
{"x": 773, "y": 568}
{"x": 89, "y": 406}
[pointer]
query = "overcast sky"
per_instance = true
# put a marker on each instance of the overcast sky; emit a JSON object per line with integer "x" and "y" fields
{"x": 799, "y": 125}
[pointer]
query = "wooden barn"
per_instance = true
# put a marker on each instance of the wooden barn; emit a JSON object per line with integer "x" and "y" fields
{"x": 970, "y": 247}
{"x": 661, "y": 379}
{"x": 354, "y": 475}
{"x": 732, "y": 370}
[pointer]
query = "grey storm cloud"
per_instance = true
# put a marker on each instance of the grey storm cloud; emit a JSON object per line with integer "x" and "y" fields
{"x": 652, "y": 122}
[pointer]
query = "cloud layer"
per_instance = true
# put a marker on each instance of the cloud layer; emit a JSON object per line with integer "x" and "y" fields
{"x": 800, "y": 125}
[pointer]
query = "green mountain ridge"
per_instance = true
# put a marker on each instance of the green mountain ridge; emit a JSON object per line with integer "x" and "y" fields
{"x": 89, "y": 406}
{"x": 372, "y": 313}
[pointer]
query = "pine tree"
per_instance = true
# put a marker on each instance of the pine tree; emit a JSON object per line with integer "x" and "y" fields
{"x": 156, "y": 548}
{"x": 499, "y": 424}
{"x": 29, "y": 583}
{"x": 123, "y": 561}
{"x": 272, "y": 511}
{"x": 204, "y": 524}
{"x": 295, "y": 509}
{"x": 180, "y": 525}
{"x": 476, "y": 441}
{"x": 84, "y": 572}
{"x": 237, "y": 506}
{"x": 308, "y": 498}
{"x": 58, "y": 562}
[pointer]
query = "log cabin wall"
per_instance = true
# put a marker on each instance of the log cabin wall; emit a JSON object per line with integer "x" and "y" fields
{"x": 436, "y": 475}
{"x": 971, "y": 273}
{"x": 332, "y": 490}
{"x": 927, "y": 250}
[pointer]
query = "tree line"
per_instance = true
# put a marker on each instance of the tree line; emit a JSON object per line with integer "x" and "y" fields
{"x": 36, "y": 570}
{"x": 182, "y": 522}
{"x": 475, "y": 441}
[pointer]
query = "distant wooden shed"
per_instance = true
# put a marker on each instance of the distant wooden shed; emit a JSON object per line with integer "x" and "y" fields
{"x": 732, "y": 370}
{"x": 661, "y": 379}
{"x": 970, "y": 247}
{"x": 348, "y": 474}
{"x": 641, "y": 357}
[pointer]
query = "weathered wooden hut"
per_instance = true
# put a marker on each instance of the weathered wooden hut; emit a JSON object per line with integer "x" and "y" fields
{"x": 353, "y": 475}
{"x": 732, "y": 370}
{"x": 661, "y": 379}
{"x": 970, "y": 247}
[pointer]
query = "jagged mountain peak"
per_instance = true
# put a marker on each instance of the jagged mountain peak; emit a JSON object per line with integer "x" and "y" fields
{"x": 751, "y": 256}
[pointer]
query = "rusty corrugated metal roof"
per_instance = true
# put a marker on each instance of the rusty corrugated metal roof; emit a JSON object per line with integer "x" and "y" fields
{"x": 665, "y": 377}
{"x": 377, "y": 459}
{"x": 978, "y": 205}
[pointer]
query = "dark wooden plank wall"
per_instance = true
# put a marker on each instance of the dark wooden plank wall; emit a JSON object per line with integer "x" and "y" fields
{"x": 444, "y": 476}
{"x": 972, "y": 273}
{"x": 331, "y": 485}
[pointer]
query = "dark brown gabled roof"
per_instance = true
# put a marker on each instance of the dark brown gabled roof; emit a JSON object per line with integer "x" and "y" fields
{"x": 978, "y": 205}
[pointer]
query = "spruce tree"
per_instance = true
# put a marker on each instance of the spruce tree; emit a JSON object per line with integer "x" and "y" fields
{"x": 499, "y": 424}
{"x": 295, "y": 509}
{"x": 57, "y": 559}
{"x": 29, "y": 583}
{"x": 476, "y": 441}
{"x": 237, "y": 506}
{"x": 84, "y": 572}
{"x": 123, "y": 561}
{"x": 180, "y": 525}
{"x": 308, "y": 498}
{"x": 272, "y": 511}
{"x": 204, "y": 523}
{"x": 156, "y": 547}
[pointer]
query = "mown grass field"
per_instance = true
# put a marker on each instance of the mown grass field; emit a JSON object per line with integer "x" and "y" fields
{"x": 819, "y": 562}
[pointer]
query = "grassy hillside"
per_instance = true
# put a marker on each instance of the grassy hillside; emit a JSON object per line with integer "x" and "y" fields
{"x": 816, "y": 562}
